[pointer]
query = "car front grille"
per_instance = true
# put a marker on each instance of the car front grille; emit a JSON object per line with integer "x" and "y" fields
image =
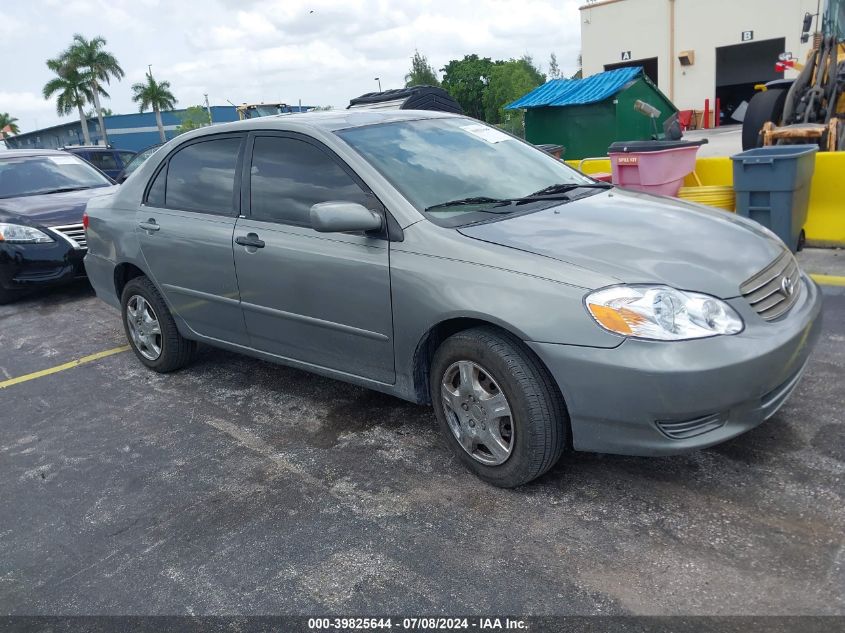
{"x": 775, "y": 289}
{"x": 73, "y": 233}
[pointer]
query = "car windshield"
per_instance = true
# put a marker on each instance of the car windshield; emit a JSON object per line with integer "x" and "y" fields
{"x": 53, "y": 173}
{"x": 458, "y": 170}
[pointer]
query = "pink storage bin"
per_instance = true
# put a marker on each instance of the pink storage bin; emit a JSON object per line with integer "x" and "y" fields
{"x": 657, "y": 167}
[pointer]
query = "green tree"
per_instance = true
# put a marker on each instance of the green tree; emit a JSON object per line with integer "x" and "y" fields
{"x": 466, "y": 80}
{"x": 193, "y": 118}
{"x": 554, "y": 69}
{"x": 97, "y": 65}
{"x": 7, "y": 120}
{"x": 421, "y": 73}
{"x": 578, "y": 74}
{"x": 106, "y": 112}
{"x": 155, "y": 95}
{"x": 528, "y": 62}
{"x": 73, "y": 92}
{"x": 508, "y": 81}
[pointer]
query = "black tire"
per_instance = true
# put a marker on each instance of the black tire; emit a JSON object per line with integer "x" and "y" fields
{"x": 176, "y": 351}
{"x": 539, "y": 418}
{"x": 9, "y": 296}
{"x": 764, "y": 106}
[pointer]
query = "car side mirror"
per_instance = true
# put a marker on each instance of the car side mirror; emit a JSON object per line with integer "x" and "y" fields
{"x": 343, "y": 217}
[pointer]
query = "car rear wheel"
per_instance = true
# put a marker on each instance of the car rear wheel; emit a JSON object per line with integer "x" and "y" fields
{"x": 498, "y": 407}
{"x": 151, "y": 330}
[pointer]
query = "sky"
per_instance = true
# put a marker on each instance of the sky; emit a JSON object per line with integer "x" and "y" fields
{"x": 322, "y": 52}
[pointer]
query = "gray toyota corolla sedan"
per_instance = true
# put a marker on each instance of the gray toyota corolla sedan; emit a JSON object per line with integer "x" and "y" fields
{"x": 435, "y": 258}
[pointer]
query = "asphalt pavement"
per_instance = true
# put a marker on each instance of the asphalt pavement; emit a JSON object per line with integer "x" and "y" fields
{"x": 239, "y": 487}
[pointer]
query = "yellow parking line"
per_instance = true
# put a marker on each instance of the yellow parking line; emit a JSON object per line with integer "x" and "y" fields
{"x": 828, "y": 280}
{"x": 58, "y": 368}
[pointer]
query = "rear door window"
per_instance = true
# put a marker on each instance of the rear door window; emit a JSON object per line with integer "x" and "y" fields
{"x": 155, "y": 195}
{"x": 201, "y": 177}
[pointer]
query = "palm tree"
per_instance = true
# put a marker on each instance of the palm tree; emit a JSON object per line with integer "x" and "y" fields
{"x": 73, "y": 91}
{"x": 155, "y": 95}
{"x": 8, "y": 121}
{"x": 97, "y": 65}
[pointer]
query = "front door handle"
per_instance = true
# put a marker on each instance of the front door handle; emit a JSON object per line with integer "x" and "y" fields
{"x": 150, "y": 225}
{"x": 250, "y": 240}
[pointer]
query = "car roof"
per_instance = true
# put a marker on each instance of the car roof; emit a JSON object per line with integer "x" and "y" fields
{"x": 94, "y": 148}
{"x": 329, "y": 120}
{"x": 19, "y": 153}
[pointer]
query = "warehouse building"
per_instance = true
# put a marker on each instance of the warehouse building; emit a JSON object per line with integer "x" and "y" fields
{"x": 132, "y": 132}
{"x": 696, "y": 50}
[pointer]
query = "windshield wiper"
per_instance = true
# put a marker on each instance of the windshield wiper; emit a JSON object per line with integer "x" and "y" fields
{"x": 566, "y": 188}
{"x": 467, "y": 201}
{"x": 58, "y": 190}
{"x": 553, "y": 192}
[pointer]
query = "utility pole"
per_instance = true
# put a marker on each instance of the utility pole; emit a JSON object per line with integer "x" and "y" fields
{"x": 150, "y": 70}
{"x": 208, "y": 108}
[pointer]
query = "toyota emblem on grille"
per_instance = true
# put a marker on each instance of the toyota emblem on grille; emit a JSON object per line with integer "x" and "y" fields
{"x": 786, "y": 286}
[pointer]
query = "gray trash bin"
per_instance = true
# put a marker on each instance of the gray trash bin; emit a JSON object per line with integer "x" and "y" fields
{"x": 773, "y": 188}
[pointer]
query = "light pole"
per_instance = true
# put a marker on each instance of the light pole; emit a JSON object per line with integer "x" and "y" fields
{"x": 208, "y": 108}
{"x": 378, "y": 79}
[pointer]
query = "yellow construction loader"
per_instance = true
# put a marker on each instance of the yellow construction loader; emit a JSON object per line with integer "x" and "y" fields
{"x": 811, "y": 107}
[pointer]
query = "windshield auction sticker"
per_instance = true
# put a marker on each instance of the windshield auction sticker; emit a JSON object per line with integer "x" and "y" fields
{"x": 489, "y": 134}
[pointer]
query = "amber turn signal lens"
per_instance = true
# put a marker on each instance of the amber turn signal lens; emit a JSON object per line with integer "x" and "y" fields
{"x": 616, "y": 320}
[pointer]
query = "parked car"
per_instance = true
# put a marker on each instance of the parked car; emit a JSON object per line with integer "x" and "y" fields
{"x": 136, "y": 161}
{"x": 108, "y": 160}
{"x": 435, "y": 258}
{"x": 42, "y": 198}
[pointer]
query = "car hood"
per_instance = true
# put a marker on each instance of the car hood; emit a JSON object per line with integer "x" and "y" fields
{"x": 639, "y": 238}
{"x": 51, "y": 209}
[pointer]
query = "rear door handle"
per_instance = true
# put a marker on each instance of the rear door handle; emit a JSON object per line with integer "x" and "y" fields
{"x": 250, "y": 240}
{"x": 149, "y": 225}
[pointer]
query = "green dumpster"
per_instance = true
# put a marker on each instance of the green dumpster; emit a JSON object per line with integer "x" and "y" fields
{"x": 587, "y": 115}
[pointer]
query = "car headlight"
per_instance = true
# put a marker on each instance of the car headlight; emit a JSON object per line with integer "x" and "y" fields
{"x": 661, "y": 313}
{"x": 20, "y": 234}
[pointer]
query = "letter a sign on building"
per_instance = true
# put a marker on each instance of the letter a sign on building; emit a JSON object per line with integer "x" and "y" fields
{"x": 626, "y": 56}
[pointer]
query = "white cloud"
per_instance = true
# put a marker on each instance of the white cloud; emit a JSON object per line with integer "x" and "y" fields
{"x": 14, "y": 102}
{"x": 323, "y": 52}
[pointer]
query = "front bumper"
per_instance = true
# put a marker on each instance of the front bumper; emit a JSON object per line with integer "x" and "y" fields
{"x": 663, "y": 398}
{"x": 27, "y": 266}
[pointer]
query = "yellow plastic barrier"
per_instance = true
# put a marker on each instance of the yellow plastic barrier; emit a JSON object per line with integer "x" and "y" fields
{"x": 826, "y": 214}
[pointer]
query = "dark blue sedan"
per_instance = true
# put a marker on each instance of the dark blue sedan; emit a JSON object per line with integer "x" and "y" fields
{"x": 42, "y": 199}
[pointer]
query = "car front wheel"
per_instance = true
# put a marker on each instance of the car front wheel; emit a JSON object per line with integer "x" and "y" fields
{"x": 151, "y": 330}
{"x": 497, "y": 406}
